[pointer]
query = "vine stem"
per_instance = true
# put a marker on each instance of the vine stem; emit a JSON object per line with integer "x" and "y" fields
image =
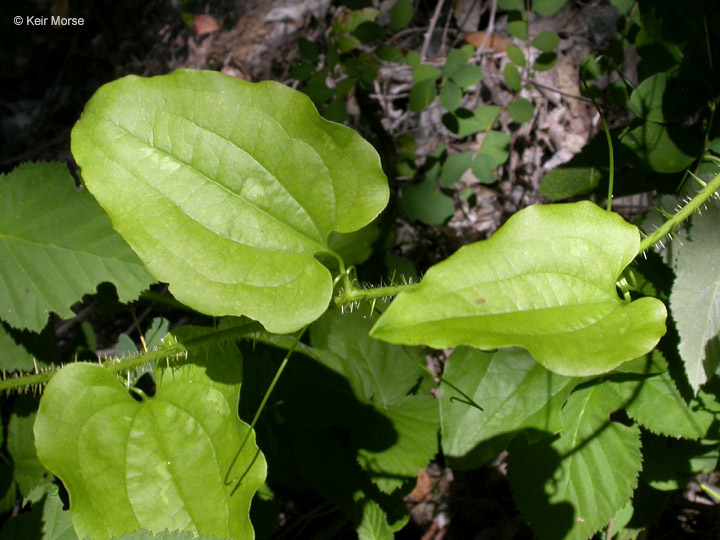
{"x": 115, "y": 366}
{"x": 352, "y": 294}
{"x": 686, "y": 211}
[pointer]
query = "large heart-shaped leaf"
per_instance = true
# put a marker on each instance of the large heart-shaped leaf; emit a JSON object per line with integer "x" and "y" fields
{"x": 57, "y": 245}
{"x": 546, "y": 282}
{"x": 167, "y": 462}
{"x": 228, "y": 189}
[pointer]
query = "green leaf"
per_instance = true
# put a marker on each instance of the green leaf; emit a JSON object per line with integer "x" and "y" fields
{"x": 467, "y": 75}
{"x": 46, "y": 521}
{"x": 545, "y": 61}
{"x": 517, "y": 24}
{"x": 450, "y": 95}
{"x": 382, "y": 376}
{"x": 544, "y": 281}
{"x": 167, "y": 462}
{"x": 516, "y": 55}
{"x": 512, "y": 77}
{"x": 309, "y": 50}
{"x": 647, "y": 99}
{"x": 28, "y": 471}
{"x": 515, "y": 392}
{"x": 355, "y": 247}
{"x": 521, "y": 110}
{"x": 13, "y": 356}
{"x": 463, "y": 122}
{"x": 424, "y": 72}
{"x": 374, "y": 525}
{"x": 412, "y": 58}
{"x": 425, "y": 202}
{"x": 456, "y": 59}
{"x": 369, "y": 31}
{"x": 422, "y": 95}
{"x": 571, "y": 487}
{"x": 496, "y": 145}
{"x": 546, "y": 41}
{"x": 483, "y": 168}
{"x": 144, "y": 534}
{"x": 57, "y": 246}
{"x": 511, "y": 5}
{"x": 401, "y": 14}
{"x": 565, "y": 182}
{"x": 695, "y": 296}
{"x": 668, "y": 464}
{"x": 546, "y": 8}
{"x": 663, "y": 148}
{"x": 388, "y": 53}
{"x": 454, "y": 167}
{"x": 231, "y": 217}
{"x": 645, "y": 396}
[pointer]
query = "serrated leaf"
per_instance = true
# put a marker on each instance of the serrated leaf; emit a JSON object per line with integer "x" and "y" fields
{"x": 521, "y": 110}
{"x": 668, "y": 464}
{"x": 382, "y": 376}
{"x": 646, "y": 395}
{"x": 546, "y": 41}
{"x": 230, "y": 216}
{"x": 28, "y": 471}
{"x": 374, "y": 524}
{"x": 544, "y": 281}
{"x": 167, "y": 462}
{"x": 515, "y": 392}
{"x": 695, "y": 296}
{"x": 13, "y": 356}
{"x": 57, "y": 246}
{"x": 571, "y": 487}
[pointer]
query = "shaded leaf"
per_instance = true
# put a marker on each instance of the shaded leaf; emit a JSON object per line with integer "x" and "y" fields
{"x": 401, "y": 14}
{"x": 450, "y": 95}
{"x": 13, "y": 356}
{"x": 219, "y": 212}
{"x": 695, "y": 296}
{"x": 467, "y": 75}
{"x": 515, "y": 392}
{"x": 425, "y": 202}
{"x": 422, "y": 95}
{"x": 544, "y": 281}
{"x": 571, "y": 487}
{"x": 167, "y": 462}
{"x": 28, "y": 471}
{"x": 547, "y": 8}
{"x": 464, "y": 122}
{"x": 521, "y": 110}
{"x": 454, "y": 167}
{"x": 512, "y": 77}
{"x": 565, "y": 182}
{"x": 516, "y": 55}
{"x": 546, "y": 41}
{"x": 57, "y": 246}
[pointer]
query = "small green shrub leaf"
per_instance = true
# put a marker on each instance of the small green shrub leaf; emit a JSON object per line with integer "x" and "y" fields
{"x": 571, "y": 487}
{"x": 227, "y": 189}
{"x": 546, "y": 41}
{"x": 516, "y": 55}
{"x": 521, "y": 110}
{"x": 565, "y": 182}
{"x": 515, "y": 392}
{"x": 663, "y": 148}
{"x": 546, "y": 8}
{"x": 454, "y": 167}
{"x": 483, "y": 167}
{"x": 58, "y": 245}
{"x": 425, "y": 202}
{"x": 695, "y": 296}
{"x": 545, "y": 61}
{"x": 496, "y": 145}
{"x": 167, "y": 462}
{"x": 467, "y": 76}
{"x": 422, "y": 95}
{"x": 424, "y": 72}
{"x": 450, "y": 95}
{"x": 517, "y": 24}
{"x": 401, "y": 14}
{"x": 512, "y": 77}
{"x": 464, "y": 122}
{"x": 544, "y": 281}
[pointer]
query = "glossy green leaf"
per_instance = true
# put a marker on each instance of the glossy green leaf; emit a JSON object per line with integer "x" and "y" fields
{"x": 646, "y": 395}
{"x": 547, "y": 8}
{"x": 546, "y": 41}
{"x": 401, "y": 14}
{"x": 232, "y": 187}
{"x": 544, "y": 281}
{"x": 695, "y": 296}
{"x": 515, "y": 392}
{"x": 521, "y": 110}
{"x": 512, "y": 77}
{"x": 571, "y": 487}
{"x": 57, "y": 246}
{"x": 166, "y": 462}
{"x": 516, "y": 55}
{"x": 565, "y": 182}
{"x": 382, "y": 376}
